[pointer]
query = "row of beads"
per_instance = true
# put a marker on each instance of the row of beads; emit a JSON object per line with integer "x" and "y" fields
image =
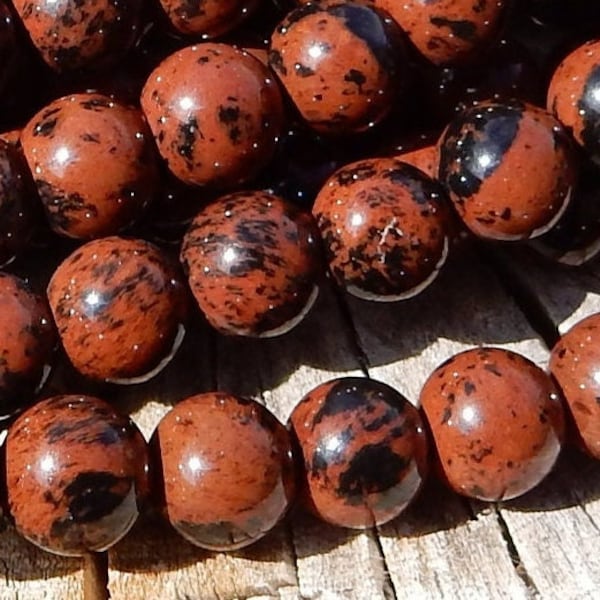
{"x": 224, "y": 470}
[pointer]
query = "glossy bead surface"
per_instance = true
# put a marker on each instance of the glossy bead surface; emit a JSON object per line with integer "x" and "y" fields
{"x": 227, "y": 470}
{"x": 364, "y": 449}
{"x": 17, "y": 197}
{"x": 496, "y": 421}
{"x": 209, "y": 18}
{"x": 425, "y": 159}
{"x": 71, "y": 34}
{"x": 216, "y": 114}
{"x": 253, "y": 263}
{"x": 384, "y": 225}
{"x": 573, "y": 96}
{"x": 76, "y": 474}
{"x": 509, "y": 169}
{"x": 94, "y": 164}
{"x": 575, "y": 363}
{"x": 27, "y": 341}
{"x": 340, "y": 63}
{"x": 119, "y": 307}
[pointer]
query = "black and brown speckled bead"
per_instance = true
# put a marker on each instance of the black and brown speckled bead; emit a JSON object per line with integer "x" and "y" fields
{"x": 364, "y": 448}
{"x": 77, "y": 474}
{"x": 216, "y": 114}
{"x": 496, "y": 421}
{"x": 71, "y": 34}
{"x": 341, "y": 64}
{"x": 119, "y": 305}
{"x": 27, "y": 341}
{"x": 509, "y": 168}
{"x": 385, "y": 228}
{"x": 227, "y": 470}
{"x": 253, "y": 262}
{"x": 93, "y": 162}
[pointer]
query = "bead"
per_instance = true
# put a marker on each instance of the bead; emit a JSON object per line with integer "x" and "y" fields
{"x": 216, "y": 114}
{"x": 496, "y": 422}
{"x": 27, "y": 341}
{"x": 341, "y": 64}
{"x": 509, "y": 169}
{"x": 71, "y": 34}
{"x": 73, "y": 140}
{"x": 76, "y": 474}
{"x": 425, "y": 159}
{"x": 227, "y": 470}
{"x": 253, "y": 263}
{"x": 119, "y": 306}
{"x": 384, "y": 225}
{"x": 575, "y": 363}
{"x": 364, "y": 448}
{"x": 573, "y": 96}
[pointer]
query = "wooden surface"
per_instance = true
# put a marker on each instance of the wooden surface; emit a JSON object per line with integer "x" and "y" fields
{"x": 542, "y": 545}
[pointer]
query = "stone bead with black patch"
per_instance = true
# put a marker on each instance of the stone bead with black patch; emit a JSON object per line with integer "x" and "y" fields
{"x": 573, "y": 96}
{"x": 364, "y": 449}
{"x": 76, "y": 34}
{"x": 216, "y": 113}
{"x": 384, "y": 225}
{"x": 228, "y": 472}
{"x": 76, "y": 473}
{"x": 27, "y": 342}
{"x": 120, "y": 307}
{"x": 575, "y": 364}
{"x": 253, "y": 262}
{"x": 208, "y": 18}
{"x": 509, "y": 167}
{"x": 341, "y": 63}
{"x": 496, "y": 421}
{"x": 93, "y": 162}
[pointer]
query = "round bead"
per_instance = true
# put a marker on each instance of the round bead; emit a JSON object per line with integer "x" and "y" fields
{"x": 509, "y": 168}
{"x": 76, "y": 474}
{"x": 71, "y": 34}
{"x": 27, "y": 341}
{"x": 216, "y": 114}
{"x": 364, "y": 448}
{"x": 573, "y": 96}
{"x": 253, "y": 263}
{"x": 16, "y": 203}
{"x": 227, "y": 470}
{"x": 496, "y": 421}
{"x": 384, "y": 225}
{"x": 575, "y": 364}
{"x": 209, "y": 18}
{"x": 119, "y": 306}
{"x": 340, "y": 63}
{"x": 93, "y": 162}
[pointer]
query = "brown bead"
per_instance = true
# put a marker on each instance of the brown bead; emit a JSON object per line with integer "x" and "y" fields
{"x": 77, "y": 474}
{"x": 119, "y": 305}
{"x": 364, "y": 448}
{"x": 227, "y": 470}
{"x": 575, "y": 363}
{"x": 425, "y": 159}
{"x": 496, "y": 420}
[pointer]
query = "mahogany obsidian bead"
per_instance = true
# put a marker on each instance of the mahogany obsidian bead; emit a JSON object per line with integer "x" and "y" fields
{"x": 93, "y": 162}
{"x": 253, "y": 262}
{"x": 385, "y": 228}
{"x": 340, "y": 62}
{"x": 119, "y": 305}
{"x": 575, "y": 363}
{"x": 73, "y": 34}
{"x": 77, "y": 474}
{"x": 216, "y": 113}
{"x": 509, "y": 168}
{"x": 364, "y": 448}
{"x": 227, "y": 470}
{"x": 27, "y": 342}
{"x": 496, "y": 422}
